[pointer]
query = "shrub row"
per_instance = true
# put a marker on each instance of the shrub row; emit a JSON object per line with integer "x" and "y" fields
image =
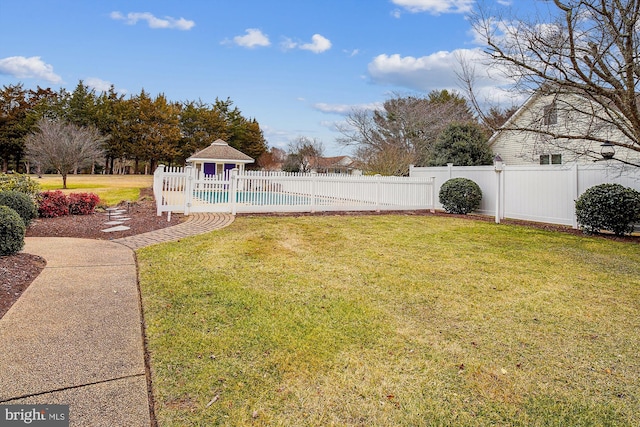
{"x": 604, "y": 207}
{"x": 55, "y": 203}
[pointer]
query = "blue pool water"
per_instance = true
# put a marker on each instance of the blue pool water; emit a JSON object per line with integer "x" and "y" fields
{"x": 254, "y": 197}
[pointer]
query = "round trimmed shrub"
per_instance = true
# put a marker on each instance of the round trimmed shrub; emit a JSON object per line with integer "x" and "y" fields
{"x": 610, "y": 207}
{"x": 12, "y": 231}
{"x": 21, "y": 203}
{"x": 460, "y": 196}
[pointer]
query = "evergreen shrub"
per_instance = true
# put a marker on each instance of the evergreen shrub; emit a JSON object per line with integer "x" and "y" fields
{"x": 12, "y": 231}
{"x": 21, "y": 183}
{"x": 21, "y": 203}
{"x": 460, "y": 196}
{"x": 610, "y": 207}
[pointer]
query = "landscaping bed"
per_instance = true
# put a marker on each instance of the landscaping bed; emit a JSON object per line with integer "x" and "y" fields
{"x": 19, "y": 270}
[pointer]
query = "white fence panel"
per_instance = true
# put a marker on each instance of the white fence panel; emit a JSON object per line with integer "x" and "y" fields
{"x": 536, "y": 193}
{"x": 184, "y": 190}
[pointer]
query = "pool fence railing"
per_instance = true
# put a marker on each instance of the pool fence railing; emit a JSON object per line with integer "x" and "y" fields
{"x": 186, "y": 190}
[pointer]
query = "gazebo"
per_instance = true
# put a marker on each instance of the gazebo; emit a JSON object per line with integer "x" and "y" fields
{"x": 218, "y": 159}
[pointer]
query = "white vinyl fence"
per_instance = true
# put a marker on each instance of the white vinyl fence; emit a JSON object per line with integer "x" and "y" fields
{"x": 544, "y": 193}
{"x": 185, "y": 190}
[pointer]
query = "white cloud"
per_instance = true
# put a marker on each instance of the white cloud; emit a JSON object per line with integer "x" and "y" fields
{"x": 318, "y": 44}
{"x": 253, "y": 38}
{"x": 167, "y": 22}
{"x": 345, "y": 109}
{"x": 435, "y": 7}
{"x": 101, "y": 85}
{"x": 28, "y": 68}
{"x": 438, "y": 71}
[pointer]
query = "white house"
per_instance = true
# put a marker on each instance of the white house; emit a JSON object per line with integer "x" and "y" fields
{"x": 338, "y": 164}
{"x": 218, "y": 159}
{"x": 559, "y": 118}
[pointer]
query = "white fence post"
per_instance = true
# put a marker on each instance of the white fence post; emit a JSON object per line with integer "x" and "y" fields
{"x": 433, "y": 194}
{"x": 188, "y": 188}
{"x": 233, "y": 190}
{"x": 158, "y": 178}
{"x": 574, "y": 191}
{"x": 378, "y": 176}
{"x": 314, "y": 192}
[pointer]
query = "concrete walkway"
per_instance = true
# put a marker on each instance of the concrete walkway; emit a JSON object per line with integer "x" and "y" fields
{"x": 75, "y": 336}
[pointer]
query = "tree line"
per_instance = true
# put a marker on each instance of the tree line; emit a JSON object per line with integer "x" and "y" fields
{"x": 139, "y": 131}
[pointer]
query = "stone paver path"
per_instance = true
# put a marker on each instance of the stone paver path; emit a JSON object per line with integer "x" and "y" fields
{"x": 196, "y": 223}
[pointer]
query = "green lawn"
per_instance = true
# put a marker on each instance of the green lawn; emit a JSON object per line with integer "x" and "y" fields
{"x": 112, "y": 189}
{"x": 392, "y": 321}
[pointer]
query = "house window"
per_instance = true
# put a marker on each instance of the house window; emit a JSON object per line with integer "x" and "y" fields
{"x": 550, "y": 115}
{"x": 551, "y": 159}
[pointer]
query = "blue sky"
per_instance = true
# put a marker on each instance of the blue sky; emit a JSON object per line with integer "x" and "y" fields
{"x": 296, "y": 66}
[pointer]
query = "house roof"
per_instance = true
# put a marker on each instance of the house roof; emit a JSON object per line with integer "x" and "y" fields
{"x": 219, "y": 150}
{"x": 334, "y": 162}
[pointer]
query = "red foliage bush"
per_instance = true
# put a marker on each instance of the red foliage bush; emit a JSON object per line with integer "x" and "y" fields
{"x": 52, "y": 204}
{"x": 83, "y": 203}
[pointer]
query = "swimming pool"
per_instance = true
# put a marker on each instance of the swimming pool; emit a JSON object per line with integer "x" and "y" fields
{"x": 262, "y": 198}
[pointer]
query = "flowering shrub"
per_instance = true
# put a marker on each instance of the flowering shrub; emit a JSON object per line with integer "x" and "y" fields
{"x": 83, "y": 203}
{"x": 52, "y": 204}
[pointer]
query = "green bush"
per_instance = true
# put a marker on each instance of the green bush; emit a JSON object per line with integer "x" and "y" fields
{"x": 21, "y": 203}
{"x": 611, "y": 207}
{"x": 21, "y": 183}
{"x": 460, "y": 196}
{"x": 12, "y": 231}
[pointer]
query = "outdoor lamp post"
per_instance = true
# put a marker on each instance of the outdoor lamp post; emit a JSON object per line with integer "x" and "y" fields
{"x": 607, "y": 150}
{"x": 498, "y": 166}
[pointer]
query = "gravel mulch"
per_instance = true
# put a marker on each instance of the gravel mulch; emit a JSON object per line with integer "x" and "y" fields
{"x": 19, "y": 270}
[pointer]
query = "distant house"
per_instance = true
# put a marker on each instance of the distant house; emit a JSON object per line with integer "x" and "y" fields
{"x": 556, "y": 115}
{"x": 218, "y": 159}
{"x": 338, "y": 164}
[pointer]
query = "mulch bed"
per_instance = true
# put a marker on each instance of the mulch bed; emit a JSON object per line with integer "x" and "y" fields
{"x": 19, "y": 270}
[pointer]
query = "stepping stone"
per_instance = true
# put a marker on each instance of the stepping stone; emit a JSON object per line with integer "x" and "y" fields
{"x": 117, "y": 228}
{"x": 113, "y": 223}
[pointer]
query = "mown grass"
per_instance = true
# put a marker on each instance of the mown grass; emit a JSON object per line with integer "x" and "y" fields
{"x": 392, "y": 321}
{"x": 112, "y": 189}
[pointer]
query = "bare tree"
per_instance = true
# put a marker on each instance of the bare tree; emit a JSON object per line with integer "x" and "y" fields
{"x": 404, "y": 131}
{"x": 584, "y": 55}
{"x": 304, "y": 155}
{"x": 63, "y": 146}
{"x": 273, "y": 159}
